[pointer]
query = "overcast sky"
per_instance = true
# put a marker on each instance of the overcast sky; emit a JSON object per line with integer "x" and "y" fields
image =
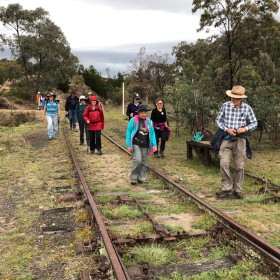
{"x": 109, "y": 33}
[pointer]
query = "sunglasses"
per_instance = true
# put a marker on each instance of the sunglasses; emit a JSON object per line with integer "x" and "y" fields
{"x": 159, "y": 103}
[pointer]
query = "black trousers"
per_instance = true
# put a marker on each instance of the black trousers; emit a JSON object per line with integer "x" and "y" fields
{"x": 162, "y": 135}
{"x": 83, "y": 130}
{"x": 95, "y": 140}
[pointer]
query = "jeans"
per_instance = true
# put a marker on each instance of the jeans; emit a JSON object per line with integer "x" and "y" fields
{"x": 95, "y": 140}
{"x": 72, "y": 119}
{"x": 84, "y": 128}
{"x": 52, "y": 125}
{"x": 139, "y": 163}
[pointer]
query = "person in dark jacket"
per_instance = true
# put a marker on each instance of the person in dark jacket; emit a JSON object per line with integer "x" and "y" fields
{"x": 235, "y": 118}
{"x": 132, "y": 107}
{"x": 79, "y": 111}
{"x": 94, "y": 117}
{"x": 158, "y": 116}
{"x": 70, "y": 106}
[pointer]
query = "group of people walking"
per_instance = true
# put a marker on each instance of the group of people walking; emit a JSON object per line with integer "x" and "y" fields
{"x": 144, "y": 134}
{"x": 88, "y": 113}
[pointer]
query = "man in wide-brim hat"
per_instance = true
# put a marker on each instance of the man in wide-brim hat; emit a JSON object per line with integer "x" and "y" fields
{"x": 234, "y": 120}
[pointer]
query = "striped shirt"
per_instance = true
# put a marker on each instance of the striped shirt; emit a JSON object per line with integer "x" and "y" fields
{"x": 232, "y": 117}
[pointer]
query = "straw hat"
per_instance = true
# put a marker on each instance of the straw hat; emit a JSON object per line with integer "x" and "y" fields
{"x": 237, "y": 92}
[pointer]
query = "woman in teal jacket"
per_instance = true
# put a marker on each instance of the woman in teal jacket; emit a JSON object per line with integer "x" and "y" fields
{"x": 140, "y": 138}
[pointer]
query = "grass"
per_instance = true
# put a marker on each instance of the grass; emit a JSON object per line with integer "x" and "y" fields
{"x": 153, "y": 255}
{"x": 139, "y": 228}
{"x": 31, "y": 191}
{"x": 204, "y": 222}
{"x": 242, "y": 271}
{"x": 121, "y": 212}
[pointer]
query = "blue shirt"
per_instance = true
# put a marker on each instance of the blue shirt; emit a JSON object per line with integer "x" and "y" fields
{"x": 52, "y": 107}
{"x": 232, "y": 117}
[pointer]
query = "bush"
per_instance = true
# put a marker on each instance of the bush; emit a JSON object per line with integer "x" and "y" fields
{"x": 15, "y": 118}
{"x": 4, "y": 103}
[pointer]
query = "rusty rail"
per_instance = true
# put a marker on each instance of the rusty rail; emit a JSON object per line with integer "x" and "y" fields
{"x": 258, "y": 243}
{"x": 115, "y": 261}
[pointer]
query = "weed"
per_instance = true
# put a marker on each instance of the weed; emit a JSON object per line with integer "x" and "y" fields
{"x": 153, "y": 255}
{"x": 123, "y": 211}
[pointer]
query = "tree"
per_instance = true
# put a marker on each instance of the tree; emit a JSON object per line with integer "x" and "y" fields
{"x": 39, "y": 46}
{"x": 231, "y": 16}
{"x": 154, "y": 73}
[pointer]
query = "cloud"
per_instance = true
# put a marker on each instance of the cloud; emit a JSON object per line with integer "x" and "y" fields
{"x": 175, "y": 6}
{"x": 109, "y": 33}
{"x": 118, "y": 59}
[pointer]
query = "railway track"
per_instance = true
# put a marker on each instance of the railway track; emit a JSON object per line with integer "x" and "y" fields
{"x": 104, "y": 201}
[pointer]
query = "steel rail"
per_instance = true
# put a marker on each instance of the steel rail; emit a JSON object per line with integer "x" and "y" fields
{"x": 261, "y": 245}
{"x": 116, "y": 263}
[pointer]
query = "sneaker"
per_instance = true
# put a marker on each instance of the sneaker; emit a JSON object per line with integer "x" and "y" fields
{"x": 133, "y": 182}
{"x": 99, "y": 152}
{"x": 223, "y": 193}
{"x": 238, "y": 195}
{"x": 157, "y": 155}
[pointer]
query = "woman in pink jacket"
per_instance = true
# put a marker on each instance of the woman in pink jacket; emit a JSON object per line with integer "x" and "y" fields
{"x": 94, "y": 117}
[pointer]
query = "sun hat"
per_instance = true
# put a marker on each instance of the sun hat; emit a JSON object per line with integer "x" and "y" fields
{"x": 49, "y": 94}
{"x": 82, "y": 97}
{"x": 237, "y": 92}
{"x": 142, "y": 108}
{"x": 89, "y": 93}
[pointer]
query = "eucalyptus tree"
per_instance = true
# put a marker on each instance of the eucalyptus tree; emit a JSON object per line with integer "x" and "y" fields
{"x": 154, "y": 73}
{"x": 229, "y": 17}
{"x": 39, "y": 46}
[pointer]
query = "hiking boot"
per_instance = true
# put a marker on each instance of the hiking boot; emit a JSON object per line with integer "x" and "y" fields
{"x": 81, "y": 143}
{"x": 161, "y": 154}
{"x": 92, "y": 151}
{"x": 157, "y": 155}
{"x": 238, "y": 195}
{"x": 143, "y": 182}
{"x": 223, "y": 193}
{"x": 133, "y": 182}
{"x": 99, "y": 152}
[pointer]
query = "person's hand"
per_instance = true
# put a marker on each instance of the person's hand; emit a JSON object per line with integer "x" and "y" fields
{"x": 131, "y": 115}
{"x": 66, "y": 112}
{"x": 241, "y": 130}
{"x": 88, "y": 122}
{"x": 231, "y": 132}
{"x": 129, "y": 149}
{"x": 154, "y": 149}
